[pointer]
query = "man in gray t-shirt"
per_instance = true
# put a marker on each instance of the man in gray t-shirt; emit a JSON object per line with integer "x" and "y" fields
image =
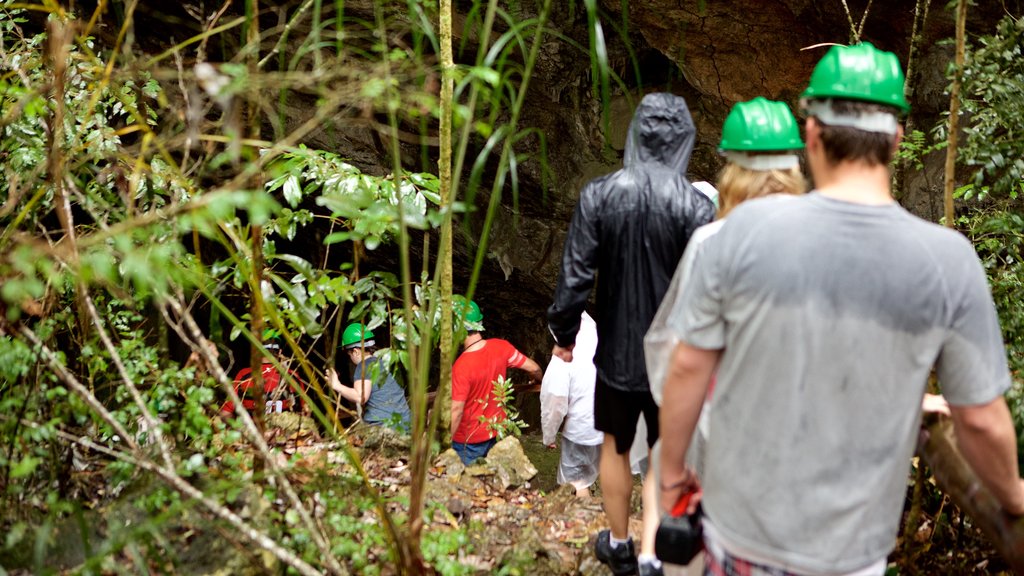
{"x": 823, "y": 316}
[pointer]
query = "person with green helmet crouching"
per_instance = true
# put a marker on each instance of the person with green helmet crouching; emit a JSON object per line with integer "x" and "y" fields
{"x": 475, "y": 408}
{"x": 821, "y": 317}
{"x": 373, "y": 390}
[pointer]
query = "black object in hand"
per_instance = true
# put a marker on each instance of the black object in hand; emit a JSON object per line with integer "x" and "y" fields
{"x": 680, "y": 535}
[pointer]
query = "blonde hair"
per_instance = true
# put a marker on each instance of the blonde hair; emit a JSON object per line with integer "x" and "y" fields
{"x": 737, "y": 184}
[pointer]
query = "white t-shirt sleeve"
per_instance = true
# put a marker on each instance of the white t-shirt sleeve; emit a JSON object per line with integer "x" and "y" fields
{"x": 696, "y": 316}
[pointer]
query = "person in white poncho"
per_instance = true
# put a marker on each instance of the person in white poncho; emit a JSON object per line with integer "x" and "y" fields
{"x": 567, "y": 396}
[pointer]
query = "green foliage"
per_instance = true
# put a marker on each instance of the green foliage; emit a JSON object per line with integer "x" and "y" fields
{"x": 998, "y": 235}
{"x": 993, "y": 88}
{"x": 914, "y": 147}
{"x": 131, "y": 201}
{"x": 441, "y": 548}
{"x": 511, "y": 424}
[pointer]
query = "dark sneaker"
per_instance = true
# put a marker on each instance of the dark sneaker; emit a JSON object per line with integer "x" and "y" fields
{"x": 650, "y": 570}
{"x": 621, "y": 560}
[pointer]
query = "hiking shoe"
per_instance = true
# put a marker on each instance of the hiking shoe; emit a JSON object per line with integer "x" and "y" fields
{"x": 621, "y": 560}
{"x": 647, "y": 569}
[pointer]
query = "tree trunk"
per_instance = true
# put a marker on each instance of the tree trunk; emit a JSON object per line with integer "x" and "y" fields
{"x": 937, "y": 447}
{"x": 954, "y": 112}
{"x": 443, "y": 402}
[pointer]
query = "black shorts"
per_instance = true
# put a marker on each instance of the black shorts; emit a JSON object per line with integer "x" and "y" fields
{"x": 617, "y": 413}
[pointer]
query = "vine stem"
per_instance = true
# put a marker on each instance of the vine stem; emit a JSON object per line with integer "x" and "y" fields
{"x": 856, "y": 29}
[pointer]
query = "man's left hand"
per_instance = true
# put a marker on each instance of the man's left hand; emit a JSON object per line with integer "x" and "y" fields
{"x": 565, "y": 354}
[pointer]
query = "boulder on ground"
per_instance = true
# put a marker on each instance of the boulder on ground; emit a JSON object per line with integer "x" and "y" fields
{"x": 511, "y": 465}
{"x": 449, "y": 464}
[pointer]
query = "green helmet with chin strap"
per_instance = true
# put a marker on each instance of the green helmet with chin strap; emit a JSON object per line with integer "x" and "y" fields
{"x": 356, "y": 334}
{"x": 859, "y": 72}
{"x": 760, "y": 125}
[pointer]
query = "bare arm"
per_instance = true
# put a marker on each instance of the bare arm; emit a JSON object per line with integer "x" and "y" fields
{"x": 457, "y": 409}
{"x": 361, "y": 389}
{"x": 686, "y": 385}
{"x": 988, "y": 441}
{"x": 533, "y": 369}
{"x": 359, "y": 392}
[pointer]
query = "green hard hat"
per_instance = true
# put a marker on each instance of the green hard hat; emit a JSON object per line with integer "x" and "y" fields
{"x": 859, "y": 72}
{"x": 271, "y": 338}
{"x": 474, "y": 314}
{"x": 468, "y": 310}
{"x": 760, "y": 125}
{"x": 355, "y": 334}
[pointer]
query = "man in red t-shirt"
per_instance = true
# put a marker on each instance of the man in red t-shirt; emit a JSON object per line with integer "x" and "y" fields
{"x": 474, "y": 405}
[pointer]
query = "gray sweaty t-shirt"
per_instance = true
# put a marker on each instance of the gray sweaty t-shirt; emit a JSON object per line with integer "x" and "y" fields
{"x": 831, "y": 316}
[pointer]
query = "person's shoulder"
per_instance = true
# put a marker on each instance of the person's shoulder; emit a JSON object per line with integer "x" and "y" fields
{"x": 596, "y": 192}
{"x": 706, "y": 231}
{"x": 459, "y": 365}
{"x": 500, "y": 342}
{"x": 748, "y": 216}
{"x": 942, "y": 240}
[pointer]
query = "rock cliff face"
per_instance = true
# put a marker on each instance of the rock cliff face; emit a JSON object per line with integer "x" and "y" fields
{"x": 712, "y": 52}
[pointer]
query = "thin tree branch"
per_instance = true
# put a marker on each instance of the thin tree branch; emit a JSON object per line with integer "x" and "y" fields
{"x": 178, "y": 483}
{"x": 151, "y": 421}
{"x": 202, "y": 347}
{"x": 954, "y": 114}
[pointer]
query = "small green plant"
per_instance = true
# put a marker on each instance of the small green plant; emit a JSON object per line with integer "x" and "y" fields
{"x": 915, "y": 146}
{"x": 511, "y": 424}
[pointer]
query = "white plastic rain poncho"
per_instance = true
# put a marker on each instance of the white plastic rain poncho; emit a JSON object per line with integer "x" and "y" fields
{"x": 567, "y": 396}
{"x": 567, "y": 392}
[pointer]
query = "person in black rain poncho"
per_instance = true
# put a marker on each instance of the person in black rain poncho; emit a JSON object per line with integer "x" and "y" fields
{"x": 627, "y": 235}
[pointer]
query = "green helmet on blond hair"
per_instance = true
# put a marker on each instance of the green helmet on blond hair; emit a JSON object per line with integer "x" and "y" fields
{"x": 356, "y": 334}
{"x": 760, "y": 125}
{"x": 860, "y": 72}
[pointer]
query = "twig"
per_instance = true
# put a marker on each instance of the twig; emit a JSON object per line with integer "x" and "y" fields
{"x": 863, "y": 19}
{"x": 151, "y": 421}
{"x": 856, "y": 30}
{"x": 201, "y": 346}
{"x": 211, "y": 22}
{"x": 178, "y": 483}
{"x": 284, "y": 34}
{"x": 77, "y": 387}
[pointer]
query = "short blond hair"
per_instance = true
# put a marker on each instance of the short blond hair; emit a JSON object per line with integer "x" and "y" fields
{"x": 737, "y": 184}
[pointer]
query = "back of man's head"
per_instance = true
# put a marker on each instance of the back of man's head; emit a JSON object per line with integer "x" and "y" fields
{"x": 856, "y": 96}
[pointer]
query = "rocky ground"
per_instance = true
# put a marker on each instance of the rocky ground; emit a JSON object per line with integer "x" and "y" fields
{"x": 507, "y": 513}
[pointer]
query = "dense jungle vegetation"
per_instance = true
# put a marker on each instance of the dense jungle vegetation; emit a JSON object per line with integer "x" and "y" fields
{"x": 160, "y": 210}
